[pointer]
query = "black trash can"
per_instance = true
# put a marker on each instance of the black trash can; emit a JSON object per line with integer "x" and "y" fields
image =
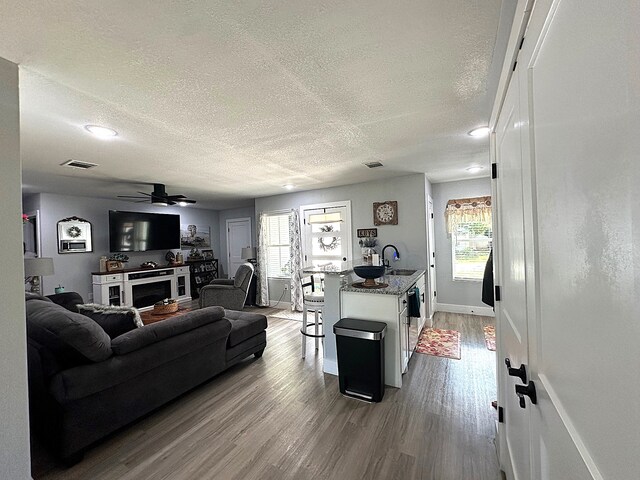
{"x": 360, "y": 348}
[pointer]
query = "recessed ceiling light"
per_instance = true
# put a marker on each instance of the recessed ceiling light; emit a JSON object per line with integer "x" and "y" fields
{"x": 479, "y": 132}
{"x": 475, "y": 169}
{"x": 101, "y": 132}
{"x": 288, "y": 186}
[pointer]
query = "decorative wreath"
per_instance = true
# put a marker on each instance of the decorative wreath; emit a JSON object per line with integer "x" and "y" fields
{"x": 74, "y": 231}
{"x": 324, "y": 242}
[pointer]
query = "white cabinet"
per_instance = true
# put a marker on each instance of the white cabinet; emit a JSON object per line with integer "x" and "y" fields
{"x": 108, "y": 289}
{"x": 142, "y": 288}
{"x": 402, "y": 330}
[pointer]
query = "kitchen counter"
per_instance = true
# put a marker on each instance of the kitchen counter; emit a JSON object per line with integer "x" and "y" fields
{"x": 398, "y": 284}
{"x": 343, "y": 269}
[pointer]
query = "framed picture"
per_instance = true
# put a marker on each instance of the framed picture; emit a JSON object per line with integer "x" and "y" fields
{"x": 207, "y": 254}
{"x": 113, "y": 265}
{"x": 195, "y": 236}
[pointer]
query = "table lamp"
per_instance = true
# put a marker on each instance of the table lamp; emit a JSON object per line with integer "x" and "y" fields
{"x": 248, "y": 253}
{"x": 34, "y": 268}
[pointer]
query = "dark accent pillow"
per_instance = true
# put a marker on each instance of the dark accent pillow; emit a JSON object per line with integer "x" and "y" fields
{"x": 71, "y": 336}
{"x": 113, "y": 320}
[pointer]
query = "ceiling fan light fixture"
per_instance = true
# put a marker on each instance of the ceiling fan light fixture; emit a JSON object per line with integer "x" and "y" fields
{"x": 101, "y": 132}
{"x": 479, "y": 132}
{"x": 183, "y": 204}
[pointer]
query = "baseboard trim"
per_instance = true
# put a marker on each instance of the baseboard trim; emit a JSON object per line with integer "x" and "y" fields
{"x": 330, "y": 366}
{"x": 468, "y": 309}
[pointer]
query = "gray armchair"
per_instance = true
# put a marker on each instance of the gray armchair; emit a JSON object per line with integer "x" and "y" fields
{"x": 230, "y": 294}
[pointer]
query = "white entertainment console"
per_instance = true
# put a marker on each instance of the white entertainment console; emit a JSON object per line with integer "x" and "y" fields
{"x": 141, "y": 288}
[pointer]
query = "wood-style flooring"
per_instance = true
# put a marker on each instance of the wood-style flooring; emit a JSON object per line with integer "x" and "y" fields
{"x": 280, "y": 417}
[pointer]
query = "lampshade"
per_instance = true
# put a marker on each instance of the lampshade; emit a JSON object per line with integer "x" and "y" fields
{"x": 38, "y": 267}
{"x": 248, "y": 253}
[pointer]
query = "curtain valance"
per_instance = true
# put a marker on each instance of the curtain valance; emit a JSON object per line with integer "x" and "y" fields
{"x": 465, "y": 210}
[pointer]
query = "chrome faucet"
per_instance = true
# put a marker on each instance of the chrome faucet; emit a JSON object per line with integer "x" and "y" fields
{"x": 396, "y": 255}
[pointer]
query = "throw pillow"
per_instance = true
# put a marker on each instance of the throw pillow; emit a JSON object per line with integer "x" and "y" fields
{"x": 71, "y": 336}
{"x": 113, "y": 320}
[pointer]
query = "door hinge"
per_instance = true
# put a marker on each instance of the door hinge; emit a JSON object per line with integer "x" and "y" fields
{"x": 432, "y": 215}
{"x": 433, "y": 254}
{"x": 434, "y": 293}
{"x": 521, "y": 43}
{"x": 494, "y": 170}
{"x": 497, "y": 297}
{"x": 305, "y": 258}
{"x": 514, "y": 65}
{"x": 500, "y": 414}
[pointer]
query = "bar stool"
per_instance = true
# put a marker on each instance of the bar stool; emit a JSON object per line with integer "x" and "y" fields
{"x": 312, "y": 302}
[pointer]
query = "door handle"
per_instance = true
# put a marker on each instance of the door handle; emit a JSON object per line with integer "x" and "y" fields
{"x": 521, "y": 372}
{"x": 432, "y": 266}
{"x": 529, "y": 390}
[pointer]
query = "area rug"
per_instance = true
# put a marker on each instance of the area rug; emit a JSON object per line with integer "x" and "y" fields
{"x": 490, "y": 337}
{"x": 439, "y": 343}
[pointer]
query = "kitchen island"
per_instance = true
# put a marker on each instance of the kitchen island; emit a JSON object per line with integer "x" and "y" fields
{"x": 388, "y": 305}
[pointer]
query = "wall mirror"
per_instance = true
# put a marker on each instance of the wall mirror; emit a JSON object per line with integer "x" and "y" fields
{"x": 74, "y": 235}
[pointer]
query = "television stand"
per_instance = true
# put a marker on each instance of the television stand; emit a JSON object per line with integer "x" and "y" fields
{"x": 141, "y": 287}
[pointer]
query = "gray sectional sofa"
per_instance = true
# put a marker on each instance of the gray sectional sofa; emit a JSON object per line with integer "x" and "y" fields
{"x": 84, "y": 385}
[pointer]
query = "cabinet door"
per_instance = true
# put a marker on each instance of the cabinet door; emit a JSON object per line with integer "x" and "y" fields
{"x": 421, "y": 284}
{"x": 404, "y": 338}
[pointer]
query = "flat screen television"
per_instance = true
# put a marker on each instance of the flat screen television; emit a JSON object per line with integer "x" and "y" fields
{"x": 142, "y": 231}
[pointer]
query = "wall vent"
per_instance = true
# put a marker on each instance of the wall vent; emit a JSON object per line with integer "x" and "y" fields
{"x": 374, "y": 164}
{"x": 79, "y": 164}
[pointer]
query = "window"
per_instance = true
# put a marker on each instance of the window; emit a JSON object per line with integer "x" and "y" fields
{"x": 471, "y": 244}
{"x": 278, "y": 246}
{"x": 469, "y": 223}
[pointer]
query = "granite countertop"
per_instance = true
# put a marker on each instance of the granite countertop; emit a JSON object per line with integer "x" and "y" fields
{"x": 398, "y": 284}
{"x": 343, "y": 269}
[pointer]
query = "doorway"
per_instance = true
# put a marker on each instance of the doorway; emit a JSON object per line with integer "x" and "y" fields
{"x": 238, "y": 237}
{"x": 431, "y": 255}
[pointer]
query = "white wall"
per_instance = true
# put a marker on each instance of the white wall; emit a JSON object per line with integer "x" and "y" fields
{"x": 225, "y": 215}
{"x": 460, "y": 292}
{"x": 409, "y": 236}
{"x": 15, "y": 460}
{"x": 73, "y": 270}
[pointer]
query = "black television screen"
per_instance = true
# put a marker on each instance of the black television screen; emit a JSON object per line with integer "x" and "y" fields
{"x": 141, "y": 231}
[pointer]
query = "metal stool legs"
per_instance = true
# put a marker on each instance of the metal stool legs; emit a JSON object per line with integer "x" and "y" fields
{"x": 317, "y": 324}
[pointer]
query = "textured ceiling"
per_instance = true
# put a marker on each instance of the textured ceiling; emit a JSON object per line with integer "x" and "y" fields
{"x": 227, "y": 101}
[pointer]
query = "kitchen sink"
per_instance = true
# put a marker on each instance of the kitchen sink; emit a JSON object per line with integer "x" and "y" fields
{"x": 401, "y": 271}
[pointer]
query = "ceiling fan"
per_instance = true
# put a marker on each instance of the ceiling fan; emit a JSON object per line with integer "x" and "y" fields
{"x": 159, "y": 196}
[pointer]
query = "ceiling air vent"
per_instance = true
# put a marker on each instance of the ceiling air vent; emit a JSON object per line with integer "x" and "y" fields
{"x": 373, "y": 164}
{"x": 79, "y": 164}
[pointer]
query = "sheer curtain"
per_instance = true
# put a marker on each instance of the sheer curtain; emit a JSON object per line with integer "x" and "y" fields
{"x": 295, "y": 260}
{"x": 262, "y": 295}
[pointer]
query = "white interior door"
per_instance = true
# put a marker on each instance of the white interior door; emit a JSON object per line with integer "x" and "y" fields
{"x": 238, "y": 237}
{"x": 511, "y": 310}
{"x": 326, "y": 241}
{"x": 431, "y": 275}
{"x": 566, "y": 145}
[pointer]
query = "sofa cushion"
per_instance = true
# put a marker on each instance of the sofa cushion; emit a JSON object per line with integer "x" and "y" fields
{"x": 70, "y": 336}
{"x": 244, "y": 325}
{"x": 149, "y": 334}
{"x": 68, "y": 300}
{"x": 34, "y": 296}
{"x": 113, "y": 320}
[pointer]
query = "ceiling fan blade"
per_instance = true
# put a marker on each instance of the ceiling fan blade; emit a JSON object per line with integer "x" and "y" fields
{"x": 186, "y": 200}
{"x": 176, "y": 197}
{"x": 147, "y": 194}
{"x": 131, "y": 196}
